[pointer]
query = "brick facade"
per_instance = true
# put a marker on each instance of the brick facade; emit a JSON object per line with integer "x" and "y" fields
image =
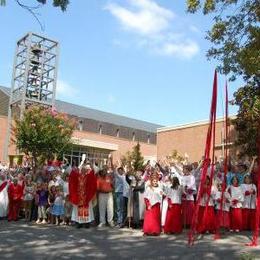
{"x": 124, "y": 145}
{"x": 189, "y": 139}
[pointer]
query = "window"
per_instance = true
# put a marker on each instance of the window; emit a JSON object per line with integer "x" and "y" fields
{"x": 100, "y": 129}
{"x": 148, "y": 139}
{"x": 133, "y": 138}
{"x": 80, "y": 125}
{"x": 117, "y": 133}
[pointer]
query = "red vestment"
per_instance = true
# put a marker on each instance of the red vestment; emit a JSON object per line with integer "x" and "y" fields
{"x": 152, "y": 219}
{"x": 15, "y": 193}
{"x": 82, "y": 189}
{"x": 187, "y": 211}
{"x": 236, "y": 219}
{"x": 206, "y": 219}
{"x": 248, "y": 216}
{"x": 173, "y": 222}
{"x": 222, "y": 219}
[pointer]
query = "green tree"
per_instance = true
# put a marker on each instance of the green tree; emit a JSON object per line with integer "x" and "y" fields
{"x": 176, "y": 156}
{"x": 235, "y": 38}
{"x": 137, "y": 158}
{"x": 235, "y": 34}
{"x": 32, "y": 9}
{"x": 247, "y": 121}
{"x": 56, "y": 3}
{"x": 42, "y": 133}
{"x": 133, "y": 159}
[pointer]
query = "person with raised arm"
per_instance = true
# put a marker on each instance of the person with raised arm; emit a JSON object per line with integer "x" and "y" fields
{"x": 82, "y": 190}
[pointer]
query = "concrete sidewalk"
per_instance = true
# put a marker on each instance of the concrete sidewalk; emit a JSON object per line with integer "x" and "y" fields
{"x": 22, "y": 241}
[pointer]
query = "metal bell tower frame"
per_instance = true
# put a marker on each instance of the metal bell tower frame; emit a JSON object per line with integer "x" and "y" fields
{"x": 34, "y": 77}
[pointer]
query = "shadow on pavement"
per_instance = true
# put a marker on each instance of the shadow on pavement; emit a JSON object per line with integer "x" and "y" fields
{"x": 23, "y": 241}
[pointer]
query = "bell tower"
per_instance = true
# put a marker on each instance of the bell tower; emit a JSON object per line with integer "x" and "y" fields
{"x": 34, "y": 77}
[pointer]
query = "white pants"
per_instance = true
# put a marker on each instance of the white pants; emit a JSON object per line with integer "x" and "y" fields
{"x": 106, "y": 205}
{"x": 90, "y": 218}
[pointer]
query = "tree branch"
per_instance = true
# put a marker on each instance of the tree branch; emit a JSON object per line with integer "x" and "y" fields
{"x": 31, "y": 9}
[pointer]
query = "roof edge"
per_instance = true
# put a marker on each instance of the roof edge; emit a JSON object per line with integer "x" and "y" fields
{"x": 189, "y": 125}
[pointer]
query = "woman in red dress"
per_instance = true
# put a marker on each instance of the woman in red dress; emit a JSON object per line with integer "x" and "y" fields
{"x": 206, "y": 209}
{"x": 173, "y": 222}
{"x": 189, "y": 189}
{"x": 152, "y": 216}
{"x": 249, "y": 204}
{"x": 222, "y": 214}
{"x": 237, "y": 198}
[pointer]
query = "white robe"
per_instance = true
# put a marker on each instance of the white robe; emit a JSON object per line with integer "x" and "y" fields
{"x": 153, "y": 194}
{"x": 189, "y": 182}
{"x": 249, "y": 200}
{"x": 210, "y": 199}
{"x": 225, "y": 205}
{"x": 90, "y": 218}
{"x": 4, "y": 201}
{"x": 236, "y": 194}
{"x": 165, "y": 203}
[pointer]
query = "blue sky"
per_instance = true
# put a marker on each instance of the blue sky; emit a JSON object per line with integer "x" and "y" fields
{"x": 139, "y": 58}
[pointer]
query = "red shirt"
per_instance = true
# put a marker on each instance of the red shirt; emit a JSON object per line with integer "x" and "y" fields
{"x": 105, "y": 184}
{"x": 15, "y": 192}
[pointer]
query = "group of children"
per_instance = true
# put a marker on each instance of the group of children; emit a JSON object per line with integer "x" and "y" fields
{"x": 45, "y": 202}
{"x": 170, "y": 206}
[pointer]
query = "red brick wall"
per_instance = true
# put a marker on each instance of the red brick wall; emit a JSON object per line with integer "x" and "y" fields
{"x": 190, "y": 140}
{"x": 123, "y": 145}
{"x": 3, "y": 132}
{"x": 3, "y": 128}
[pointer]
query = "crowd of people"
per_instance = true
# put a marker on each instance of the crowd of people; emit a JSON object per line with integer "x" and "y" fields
{"x": 159, "y": 198}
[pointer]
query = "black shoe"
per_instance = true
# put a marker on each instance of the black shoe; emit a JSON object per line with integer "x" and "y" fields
{"x": 79, "y": 225}
{"x": 86, "y": 225}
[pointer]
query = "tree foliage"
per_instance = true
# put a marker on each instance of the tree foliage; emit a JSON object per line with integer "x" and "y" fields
{"x": 134, "y": 159}
{"x": 235, "y": 34}
{"x": 235, "y": 38}
{"x": 43, "y": 133}
{"x": 137, "y": 158}
{"x": 247, "y": 121}
{"x": 176, "y": 156}
{"x": 33, "y": 8}
{"x": 56, "y": 3}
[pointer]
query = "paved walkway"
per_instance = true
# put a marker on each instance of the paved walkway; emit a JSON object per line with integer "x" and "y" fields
{"x": 21, "y": 241}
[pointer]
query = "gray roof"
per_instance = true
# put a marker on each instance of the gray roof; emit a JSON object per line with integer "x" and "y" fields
{"x": 89, "y": 113}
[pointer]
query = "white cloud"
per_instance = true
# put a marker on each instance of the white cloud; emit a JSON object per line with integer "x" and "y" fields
{"x": 143, "y": 16}
{"x": 152, "y": 25}
{"x": 64, "y": 89}
{"x": 183, "y": 50}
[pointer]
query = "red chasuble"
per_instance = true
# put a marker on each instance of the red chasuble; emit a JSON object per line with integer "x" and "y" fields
{"x": 82, "y": 189}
